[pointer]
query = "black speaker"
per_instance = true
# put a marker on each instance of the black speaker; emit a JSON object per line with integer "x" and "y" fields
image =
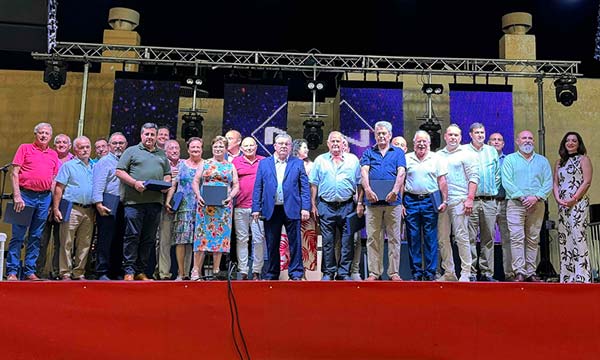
{"x": 594, "y": 213}
{"x": 23, "y": 25}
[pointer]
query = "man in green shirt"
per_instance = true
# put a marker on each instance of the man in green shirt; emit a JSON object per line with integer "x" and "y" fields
{"x": 139, "y": 163}
{"x": 527, "y": 180}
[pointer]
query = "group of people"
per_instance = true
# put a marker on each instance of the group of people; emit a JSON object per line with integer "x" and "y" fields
{"x": 460, "y": 193}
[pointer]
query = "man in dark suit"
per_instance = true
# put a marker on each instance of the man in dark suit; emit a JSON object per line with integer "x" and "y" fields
{"x": 282, "y": 196}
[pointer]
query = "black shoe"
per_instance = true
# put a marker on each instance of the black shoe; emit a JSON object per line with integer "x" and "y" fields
{"x": 487, "y": 278}
{"x": 326, "y": 277}
{"x": 534, "y": 278}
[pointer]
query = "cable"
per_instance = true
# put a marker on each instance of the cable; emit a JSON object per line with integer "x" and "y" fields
{"x": 235, "y": 318}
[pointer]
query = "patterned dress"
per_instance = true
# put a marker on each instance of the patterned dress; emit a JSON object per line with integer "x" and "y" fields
{"x": 213, "y": 223}
{"x": 185, "y": 217}
{"x": 309, "y": 241}
{"x": 572, "y": 225}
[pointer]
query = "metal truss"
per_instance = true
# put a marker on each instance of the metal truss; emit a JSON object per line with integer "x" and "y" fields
{"x": 150, "y": 55}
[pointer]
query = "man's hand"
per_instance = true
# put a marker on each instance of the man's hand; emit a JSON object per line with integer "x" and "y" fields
{"x": 102, "y": 210}
{"x": 256, "y": 216}
{"x": 305, "y": 215}
{"x": 443, "y": 206}
{"x": 19, "y": 204}
{"x": 315, "y": 212}
{"x": 139, "y": 186}
{"x": 391, "y": 197}
{"x": 371, "y": 196}
{"x": 468, "y": 206}
{"x": 360, "y": 209}
{"x": 57, "y": 215}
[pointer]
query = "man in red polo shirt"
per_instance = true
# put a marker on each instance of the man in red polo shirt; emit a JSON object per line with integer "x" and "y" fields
{"x": 34, "y": 168}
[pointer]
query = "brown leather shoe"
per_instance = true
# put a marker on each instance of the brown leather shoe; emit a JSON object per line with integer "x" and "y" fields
{"x": 372, "y": 278}
{"x": 534, "y": 278}
{"x": 255, "y": 276}
{"x": 12, "y": 277}
{"x": 396, "y": 277}
{"x": 32, "y": 277}
{"x": 244, "y": 276}
{"x": 142, "y": 277}
{"x": 66, "y": 277}
{"x": 128, "y": 277}
{"x": 519, "y": 278}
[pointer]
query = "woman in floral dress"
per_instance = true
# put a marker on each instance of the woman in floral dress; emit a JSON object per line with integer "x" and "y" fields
{"x": 213, "y": 223}
{"x": 572, "y": 179}
{"x": 185, "y": 216}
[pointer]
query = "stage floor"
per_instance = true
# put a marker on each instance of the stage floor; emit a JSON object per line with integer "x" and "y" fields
{"x": 299, "y": 320}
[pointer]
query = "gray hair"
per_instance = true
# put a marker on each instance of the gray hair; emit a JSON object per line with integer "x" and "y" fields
{"x": 62, "y": 135}
{"x": 79, "y": 139}
{"x": 476, "y": 125}
{"x": 422, "y": 133}
{"x": 385, "y": 124}
{"x": 283, "y": 135}
{"x": 118, "y": 133}
{"x": 41, "y": 125}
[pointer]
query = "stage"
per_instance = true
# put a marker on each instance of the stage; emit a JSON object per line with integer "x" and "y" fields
{"x": 299, "y": 320}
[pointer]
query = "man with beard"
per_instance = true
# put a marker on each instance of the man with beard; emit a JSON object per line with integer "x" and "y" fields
{"x": 527, "y": 180}
{"x": 34, "y": 168}
{"x": 109, "y": 222}
{"x": 138, "y": 164}
{"x": 483, "y": 217}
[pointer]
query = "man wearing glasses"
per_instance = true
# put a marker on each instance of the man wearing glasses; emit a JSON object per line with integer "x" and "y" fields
{"x": 282, "y": 196}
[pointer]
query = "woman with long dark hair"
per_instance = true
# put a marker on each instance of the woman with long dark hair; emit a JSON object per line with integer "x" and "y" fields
{"x": 572, "y": 179}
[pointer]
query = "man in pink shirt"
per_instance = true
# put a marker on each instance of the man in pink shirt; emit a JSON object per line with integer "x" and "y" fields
{"x": 246, "y": 167}
{"x": 34, "y": 168}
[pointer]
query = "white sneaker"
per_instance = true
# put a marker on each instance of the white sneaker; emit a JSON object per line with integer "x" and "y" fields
{"x": 195, "y": 275}
{"x": 356, "y": 277}
{"x": 465, "y": 278}
{"x": 449, "y": 276}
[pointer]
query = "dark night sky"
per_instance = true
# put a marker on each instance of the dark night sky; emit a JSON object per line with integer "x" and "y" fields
{"x": 564, "y": 29}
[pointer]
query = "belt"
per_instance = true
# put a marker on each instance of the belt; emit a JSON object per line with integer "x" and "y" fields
{"x": 33, "y": 191}
{"x": 81, "y": 205}
{"x": 485, "y": 198}
{"x": 417, "y": 196}
{"x": 336, "y": 204}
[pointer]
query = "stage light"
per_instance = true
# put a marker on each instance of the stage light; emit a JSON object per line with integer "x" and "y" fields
{"x": 566, "y": 92}
{"x": 193, "y": 80}
{"x": 432, "y": 127}
{"x": 435, "y": 89}
{"x": 315, "y": 85}
{"x": 55, "y": 74}
{"x": 313, "y": 132}
{"x": 191, "y": 125}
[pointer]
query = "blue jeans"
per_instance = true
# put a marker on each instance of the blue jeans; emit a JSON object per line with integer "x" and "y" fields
{"x": 141, "y": 224}
{"x": 110, "y": 234}
{"x": 421, "y": 217}
{"x": 40, "y": 201}
{"x": 332, "y": 219}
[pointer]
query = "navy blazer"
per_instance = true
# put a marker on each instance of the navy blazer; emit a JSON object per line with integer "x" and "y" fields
{"x": 296, "y": 191}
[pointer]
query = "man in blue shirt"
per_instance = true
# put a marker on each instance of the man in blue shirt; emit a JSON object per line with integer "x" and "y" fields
{"x": 527, "y": 180}
{"x": 74, "y": 184}
{"x": 110, "y": 222}
{"x": 382, "y": 162}
{"x": 334, "y": 179}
